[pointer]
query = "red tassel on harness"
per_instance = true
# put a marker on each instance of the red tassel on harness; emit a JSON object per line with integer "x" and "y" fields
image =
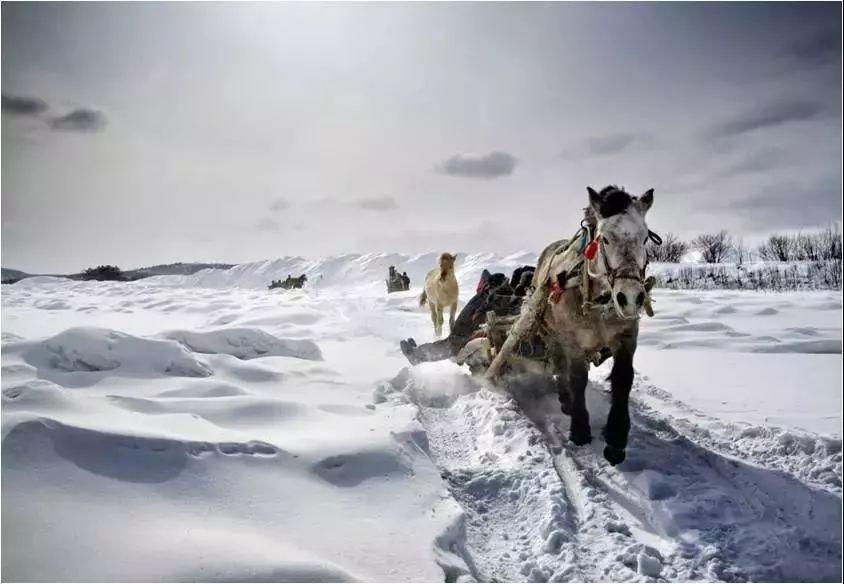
{"x": 591, "y": 249}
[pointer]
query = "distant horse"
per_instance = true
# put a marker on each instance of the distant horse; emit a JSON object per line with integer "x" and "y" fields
{"x": 587, "y": 298}
{"x": 441, "y": 291}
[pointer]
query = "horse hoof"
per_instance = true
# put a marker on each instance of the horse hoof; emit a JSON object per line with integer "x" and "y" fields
{"x": 580, "y": 439}
{"x": 614, "y": 455}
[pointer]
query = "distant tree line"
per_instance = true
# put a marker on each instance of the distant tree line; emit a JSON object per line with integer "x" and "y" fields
{"x": 720, "y": 247}
{"x": 111, "y": 273}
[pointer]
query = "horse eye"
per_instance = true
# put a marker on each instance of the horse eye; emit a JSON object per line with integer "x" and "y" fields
{"x": 606, "y": 239}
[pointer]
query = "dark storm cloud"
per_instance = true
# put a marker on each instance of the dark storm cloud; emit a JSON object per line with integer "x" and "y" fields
{"x": 768, "y": 116}
{"x": 23, "y": 105}
{"x": 789, "y": 205}
{"x": 279, "y": 204}
{"x": 385, "y": 203}
{"x": 821, "y": 48}
{"x": 79, "y": 120}
{"x": 489, "y": 166}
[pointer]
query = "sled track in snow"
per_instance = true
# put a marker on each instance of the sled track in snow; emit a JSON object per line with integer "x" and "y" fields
{"x": 538, "y": 508}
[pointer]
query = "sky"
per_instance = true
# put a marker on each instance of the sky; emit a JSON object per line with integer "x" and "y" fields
{"x": 144, "y": 133}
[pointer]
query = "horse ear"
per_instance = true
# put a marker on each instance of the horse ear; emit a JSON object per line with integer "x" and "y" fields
{"x": 595, "y": 200}
{"x": 646, "y": 200}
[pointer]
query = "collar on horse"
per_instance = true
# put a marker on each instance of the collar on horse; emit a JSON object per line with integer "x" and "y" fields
{"x": 588, "y": 248}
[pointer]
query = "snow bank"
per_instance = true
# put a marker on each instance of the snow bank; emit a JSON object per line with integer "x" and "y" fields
{"x": 245, "y": 343}
{"x": 96, "y": 349}
{"x": 201, "y": 461}
{"x": 347, "y": 271}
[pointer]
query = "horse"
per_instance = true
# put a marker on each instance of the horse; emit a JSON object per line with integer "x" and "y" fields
{"x": 441, "y": 291}
{"x": 587, "y": 297}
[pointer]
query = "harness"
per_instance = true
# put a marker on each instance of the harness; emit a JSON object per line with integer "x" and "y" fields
{"x": 588, "y": 249}
{"x": 548, "y": 288}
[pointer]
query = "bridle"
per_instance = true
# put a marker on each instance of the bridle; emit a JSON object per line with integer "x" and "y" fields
{"x": 621, "y": 272}
{"x": 611, "y": 274}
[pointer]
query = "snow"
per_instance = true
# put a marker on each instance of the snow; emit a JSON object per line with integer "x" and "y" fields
{"x": 204, "y": 428}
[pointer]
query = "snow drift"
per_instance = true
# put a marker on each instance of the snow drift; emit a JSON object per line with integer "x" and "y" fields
{"x": 204, "y": 428}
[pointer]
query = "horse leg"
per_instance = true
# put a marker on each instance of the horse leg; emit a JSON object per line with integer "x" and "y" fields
{"x": 433, "y": 308}
{"x": 618, "y": 421}
{"x": 578, "y": 376}
{"x": 560, "y": 380}
{"x": 451, "y": 312}
{"x": 440, "y": 310}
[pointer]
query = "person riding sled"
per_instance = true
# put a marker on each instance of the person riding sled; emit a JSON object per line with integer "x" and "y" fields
{"x": 493, "y": 293}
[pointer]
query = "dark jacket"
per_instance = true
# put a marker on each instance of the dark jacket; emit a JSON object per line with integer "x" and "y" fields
{"x": 516, "y": 278}
{"x": 496, "y": 295}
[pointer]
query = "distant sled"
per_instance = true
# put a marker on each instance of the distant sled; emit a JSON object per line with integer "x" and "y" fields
{"x": 289, "y": 283}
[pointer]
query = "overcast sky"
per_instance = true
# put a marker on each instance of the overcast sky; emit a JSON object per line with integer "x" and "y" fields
{"x": 142, "y": 133}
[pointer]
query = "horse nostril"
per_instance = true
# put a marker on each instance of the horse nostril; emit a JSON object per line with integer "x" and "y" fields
{"x": 640, "y": 299}
{"x": 621, "y": 298}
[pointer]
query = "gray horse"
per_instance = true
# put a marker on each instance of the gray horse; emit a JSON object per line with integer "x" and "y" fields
{"x": 587, "y": 298}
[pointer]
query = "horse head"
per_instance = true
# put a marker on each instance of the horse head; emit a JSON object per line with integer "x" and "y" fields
{"x": 446, "y": 263}
{"x": 621, "y": 234}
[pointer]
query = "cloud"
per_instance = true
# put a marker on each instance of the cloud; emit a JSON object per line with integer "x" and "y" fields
{"x": 456, "y": 238}
{"x": 279, "y": 204}
{"x": 267, "y": 224}
{"x": 22, "y": 105}
{"x": 385, "y": 203}
{"x": 821, "y": 48}
{"x": 489, "y": 166}
{"x": 79, "y": 120}
{"x": 789, "y": 205}
{"x": 769, "y": 116}
{"x": 607, "y": 145}
{"x": 604, "y": 145}
{"x": 760, "y": 161}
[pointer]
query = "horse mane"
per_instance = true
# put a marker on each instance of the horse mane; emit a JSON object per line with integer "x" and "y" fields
{"x": 614, "y": 200}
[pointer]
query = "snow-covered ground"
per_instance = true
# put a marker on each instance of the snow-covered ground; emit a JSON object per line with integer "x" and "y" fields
{"x": 203, "y": 428}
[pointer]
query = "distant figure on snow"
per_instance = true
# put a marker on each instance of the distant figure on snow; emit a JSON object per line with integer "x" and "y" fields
{"x": 397, "y": 282}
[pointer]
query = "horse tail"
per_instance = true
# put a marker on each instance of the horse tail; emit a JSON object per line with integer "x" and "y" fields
{"x": 423, "y": 298}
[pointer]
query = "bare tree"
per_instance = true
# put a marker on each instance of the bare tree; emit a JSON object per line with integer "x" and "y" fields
{"x": 671, "y": 251}
{"x": 714, "y": 247}
{"x": 807, "y": 246}
{"x": 778, "y": 248}
{"x": 742, "y": 253}
{"x": 830, "y": 243}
